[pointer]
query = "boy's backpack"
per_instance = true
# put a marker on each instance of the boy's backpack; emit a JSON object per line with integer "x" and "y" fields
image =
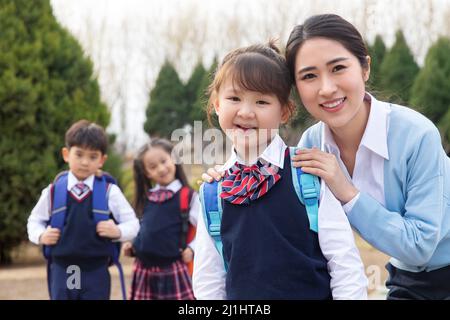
{"x": 100, "y": 211}
{"x": 187, "y": 229}
{"x": 307, "y": 188}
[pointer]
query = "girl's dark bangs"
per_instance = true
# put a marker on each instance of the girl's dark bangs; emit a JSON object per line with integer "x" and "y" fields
{"x": 255, "y": 72}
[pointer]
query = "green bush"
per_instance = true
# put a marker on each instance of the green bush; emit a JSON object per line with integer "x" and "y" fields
{"x": 46, "y": 84}
{"x": 398, "y": 70}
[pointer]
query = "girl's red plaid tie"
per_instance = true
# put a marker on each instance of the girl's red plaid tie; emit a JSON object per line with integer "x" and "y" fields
{"x": 243, "y": 184}
{"x": 159, "y": 195}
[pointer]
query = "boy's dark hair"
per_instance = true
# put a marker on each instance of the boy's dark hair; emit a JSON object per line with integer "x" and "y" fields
{"x": 329, "y": 26}
{"x": 259, "y": 68}
{"x": 141, "y": 183}
{"x": 89, "y": 135}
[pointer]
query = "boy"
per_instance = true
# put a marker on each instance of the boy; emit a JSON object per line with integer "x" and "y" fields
{"x": 82, "y": 246}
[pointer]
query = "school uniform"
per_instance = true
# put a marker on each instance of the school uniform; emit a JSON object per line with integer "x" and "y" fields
{"x": 79, "y": 245}
{"x": 270, "y": 250}
{"x": 159, "y": 272}
{"x": 403, "y": 206}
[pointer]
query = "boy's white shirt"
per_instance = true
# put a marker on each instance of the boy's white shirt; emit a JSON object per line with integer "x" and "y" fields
{"x": 118, "y": 205}
{"x": 348, "y": 279}
{"x": 195, "y": 206}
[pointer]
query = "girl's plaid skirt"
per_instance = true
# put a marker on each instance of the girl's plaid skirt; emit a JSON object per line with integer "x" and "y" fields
{"x": 161, "y": 283}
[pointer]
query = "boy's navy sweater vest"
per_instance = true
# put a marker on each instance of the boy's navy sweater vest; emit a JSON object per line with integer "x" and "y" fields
{"x": 158, "y": 240}
{"x": 270, "y": 250}
{"x": 79, "y": 243}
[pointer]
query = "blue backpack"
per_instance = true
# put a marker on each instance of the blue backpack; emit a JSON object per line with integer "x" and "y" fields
{"x": 307, "y": 188}
{"x": 100, "y": 212}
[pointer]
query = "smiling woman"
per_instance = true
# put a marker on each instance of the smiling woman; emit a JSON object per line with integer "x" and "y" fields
{"x": 384, "y": 162}
{"x": 330, "y": 77}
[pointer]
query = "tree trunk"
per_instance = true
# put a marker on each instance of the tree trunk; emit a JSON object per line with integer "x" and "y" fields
{"x": 5, "y": 256}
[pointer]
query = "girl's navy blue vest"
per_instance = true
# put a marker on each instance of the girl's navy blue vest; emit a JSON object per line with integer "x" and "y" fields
{"x": 158, "y": 241}
{"x": 270, "y": 250}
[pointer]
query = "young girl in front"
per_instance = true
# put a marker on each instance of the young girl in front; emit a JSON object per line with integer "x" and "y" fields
{"x": 268, "y": 246}
{"x": 161, "y": 248}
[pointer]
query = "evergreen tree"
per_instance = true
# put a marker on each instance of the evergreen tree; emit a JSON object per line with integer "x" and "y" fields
{"x": 115, "y": 160}
{"x": 198, "y": 112}
{"x": 45, "y": 85}
{"x": 167, "y": 109}
{"x": 193, "y": 85}
{"x": 398, "y": 70}
{"x": 431, "y": 90}
{"x": 377, "y": 52}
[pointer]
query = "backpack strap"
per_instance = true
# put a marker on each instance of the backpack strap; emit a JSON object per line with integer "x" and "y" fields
{"x": 58, "y": 210}
{"x": 100, "y": 210}
{"x": 187, "y": 229}
{"x": 307, "y": 188}
{"x": 185, "y": 197}
{"x": 100, "y": 196}
{"x": 212, "y": 213}
{"x": 100, "y": 207}
{"x": 59, "y": 201}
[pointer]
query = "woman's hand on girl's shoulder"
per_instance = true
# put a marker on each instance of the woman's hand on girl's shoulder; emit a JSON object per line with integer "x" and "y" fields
{"x": 326, "y": 166}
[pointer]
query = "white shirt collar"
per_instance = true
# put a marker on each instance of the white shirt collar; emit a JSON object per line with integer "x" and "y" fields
{"x": 72, "y": 180}
{"x": 274, "y": 154}
{"x": 375, "y": 134}
{"x": 174, "y": 186}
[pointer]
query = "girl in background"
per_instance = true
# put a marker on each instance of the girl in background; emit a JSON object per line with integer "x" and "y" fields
{"x": 162, "y": 199}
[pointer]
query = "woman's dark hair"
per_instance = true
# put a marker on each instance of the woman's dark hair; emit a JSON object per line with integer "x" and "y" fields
{"x": 330, "y": 26}
{"x": 259, "y": 68}
{"x": 141, "y": 183}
